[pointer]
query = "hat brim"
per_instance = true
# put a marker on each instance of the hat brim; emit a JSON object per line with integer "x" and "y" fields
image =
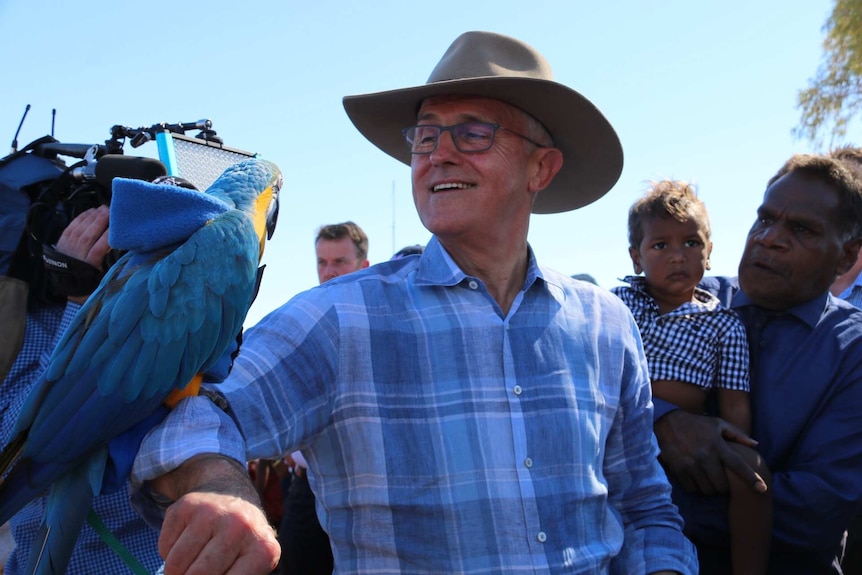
{"x": 592, "y": 154}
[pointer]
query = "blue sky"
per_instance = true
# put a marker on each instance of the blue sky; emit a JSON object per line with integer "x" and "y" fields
{"x": 700, "y": 91}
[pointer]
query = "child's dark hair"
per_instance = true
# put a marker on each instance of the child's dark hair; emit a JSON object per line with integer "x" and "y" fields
{"x": 667, "y": 198}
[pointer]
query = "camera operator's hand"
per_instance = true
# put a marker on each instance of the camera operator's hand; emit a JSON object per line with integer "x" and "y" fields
{"x": 86, "y": 239}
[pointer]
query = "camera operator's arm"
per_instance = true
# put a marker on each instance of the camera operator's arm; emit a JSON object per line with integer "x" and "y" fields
{"x": 86, "y": 239}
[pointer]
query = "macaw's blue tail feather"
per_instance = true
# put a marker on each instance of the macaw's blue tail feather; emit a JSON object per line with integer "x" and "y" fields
{"x": 17, "y": 488}
{"x": 68, "y": 504}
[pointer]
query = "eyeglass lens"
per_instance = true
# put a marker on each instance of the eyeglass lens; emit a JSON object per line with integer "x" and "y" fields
{"x": 468, "y": 137}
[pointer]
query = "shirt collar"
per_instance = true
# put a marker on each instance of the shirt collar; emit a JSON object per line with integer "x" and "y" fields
{"x": 436, "y": 267}
{"x": 703, "y": 300}
{"x": 809, "y": 312}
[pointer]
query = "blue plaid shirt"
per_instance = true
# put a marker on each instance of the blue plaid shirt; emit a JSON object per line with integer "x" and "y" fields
{"x": 700, "y": 342}
{"x": 92, "y": 554}
{"x": 444, "y": 437}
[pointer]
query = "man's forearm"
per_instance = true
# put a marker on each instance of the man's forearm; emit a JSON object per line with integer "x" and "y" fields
{"x": 215, "y": 523}
{"x": 207, "y": 472}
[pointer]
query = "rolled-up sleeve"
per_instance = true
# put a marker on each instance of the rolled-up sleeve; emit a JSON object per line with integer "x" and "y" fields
{"x": 195, "y": 426}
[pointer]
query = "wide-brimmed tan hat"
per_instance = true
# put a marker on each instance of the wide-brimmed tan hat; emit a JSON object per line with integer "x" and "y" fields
{"x": 496, "y": 66}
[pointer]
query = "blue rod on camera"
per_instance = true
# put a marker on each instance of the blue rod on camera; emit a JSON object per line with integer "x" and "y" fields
{"x": 167, "y": 153}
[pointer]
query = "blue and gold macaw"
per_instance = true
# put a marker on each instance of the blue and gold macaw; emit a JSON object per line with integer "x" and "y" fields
{"x": 164, "y": 314}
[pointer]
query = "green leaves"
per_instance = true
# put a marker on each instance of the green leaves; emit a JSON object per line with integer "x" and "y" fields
{"x": 834, "y": 95}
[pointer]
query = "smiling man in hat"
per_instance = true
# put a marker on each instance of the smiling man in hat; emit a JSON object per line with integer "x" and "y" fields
{"x": 466, "y": 411}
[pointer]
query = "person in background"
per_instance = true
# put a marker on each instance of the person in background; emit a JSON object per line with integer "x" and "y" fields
{"x": 465, "y": 411}
{"x": 414, "y": 250}
{"x": 848, "y": 286}
{"x": 806, "y": 380}
{"x": 341, "y": 249}
{"x": 697, "y": 349}
{"x": 84, "y": 239}
{"x": 585, "y": 278}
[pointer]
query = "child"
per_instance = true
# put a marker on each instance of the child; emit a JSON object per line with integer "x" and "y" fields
{"x": 693, "y": 345}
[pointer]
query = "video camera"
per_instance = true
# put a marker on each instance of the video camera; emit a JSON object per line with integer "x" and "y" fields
{"x": 47, "y": 183}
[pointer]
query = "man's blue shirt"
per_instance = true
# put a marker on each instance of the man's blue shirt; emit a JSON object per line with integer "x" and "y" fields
{"x": 806, "y": 396}
{"x": 444, "y": 436}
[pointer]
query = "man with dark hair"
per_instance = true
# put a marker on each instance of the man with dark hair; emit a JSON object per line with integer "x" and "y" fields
{"x": 465, "y": 411}
{"x": 806, "y": 379}
{"x": 848, "y": 286}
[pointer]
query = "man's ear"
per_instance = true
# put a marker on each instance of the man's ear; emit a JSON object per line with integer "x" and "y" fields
{"x": 849, "y": 255}
{"x": 546, "y": 163}
{"x": 636, "y": 260}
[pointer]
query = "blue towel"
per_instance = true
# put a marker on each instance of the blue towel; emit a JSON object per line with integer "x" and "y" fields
{"x": 146, "y": 217}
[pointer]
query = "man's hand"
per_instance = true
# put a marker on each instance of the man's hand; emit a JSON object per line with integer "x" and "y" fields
{"x": 86, "y": 239}
{"x": 216, "y": 525}
{"x": 695, "y": 451}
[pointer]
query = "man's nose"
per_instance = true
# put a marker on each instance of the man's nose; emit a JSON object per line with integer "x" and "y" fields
{"x": 771, "y": 236}
{"x": 445, "y": 149}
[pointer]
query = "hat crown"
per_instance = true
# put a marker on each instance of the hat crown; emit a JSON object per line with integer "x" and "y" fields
{"x": 486, "y": 54}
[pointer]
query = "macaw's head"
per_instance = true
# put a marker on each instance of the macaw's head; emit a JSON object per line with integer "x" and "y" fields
{"x": 252, "y": 186}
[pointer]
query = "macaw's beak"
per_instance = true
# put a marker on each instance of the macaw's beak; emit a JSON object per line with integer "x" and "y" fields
{"x": 272, "y": 210}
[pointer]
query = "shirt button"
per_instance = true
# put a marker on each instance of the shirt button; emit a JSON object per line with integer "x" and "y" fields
{"x": 528, "y": 462}
{"x": 473, "y": 284}
{"x": 541, "y": 537}
{"x": 517, "y": 390}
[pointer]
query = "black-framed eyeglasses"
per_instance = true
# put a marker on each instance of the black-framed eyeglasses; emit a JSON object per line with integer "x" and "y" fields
{"x": 468, "y": 137}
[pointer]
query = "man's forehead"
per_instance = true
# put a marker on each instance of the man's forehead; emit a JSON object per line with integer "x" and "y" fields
{"x": 469, "y": 105}
{"x": 801, "y": 194}
{"x": 802, "y": 186}
{"x": 334, "y": 244}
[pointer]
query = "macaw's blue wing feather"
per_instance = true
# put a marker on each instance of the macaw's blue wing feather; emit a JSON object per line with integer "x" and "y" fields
{"x": 68, "y": 503}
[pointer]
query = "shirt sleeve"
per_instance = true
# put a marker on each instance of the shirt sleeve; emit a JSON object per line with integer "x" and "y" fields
{"x": 637, "y": 484}
{"x": 195, "y": 426}
{"x": 274, "y": 400}
{"x": 733, "y": 359}
{"x": 662, "y": 408}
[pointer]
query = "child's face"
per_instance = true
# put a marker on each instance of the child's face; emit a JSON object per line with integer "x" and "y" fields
{"x": 673, "y": 256}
